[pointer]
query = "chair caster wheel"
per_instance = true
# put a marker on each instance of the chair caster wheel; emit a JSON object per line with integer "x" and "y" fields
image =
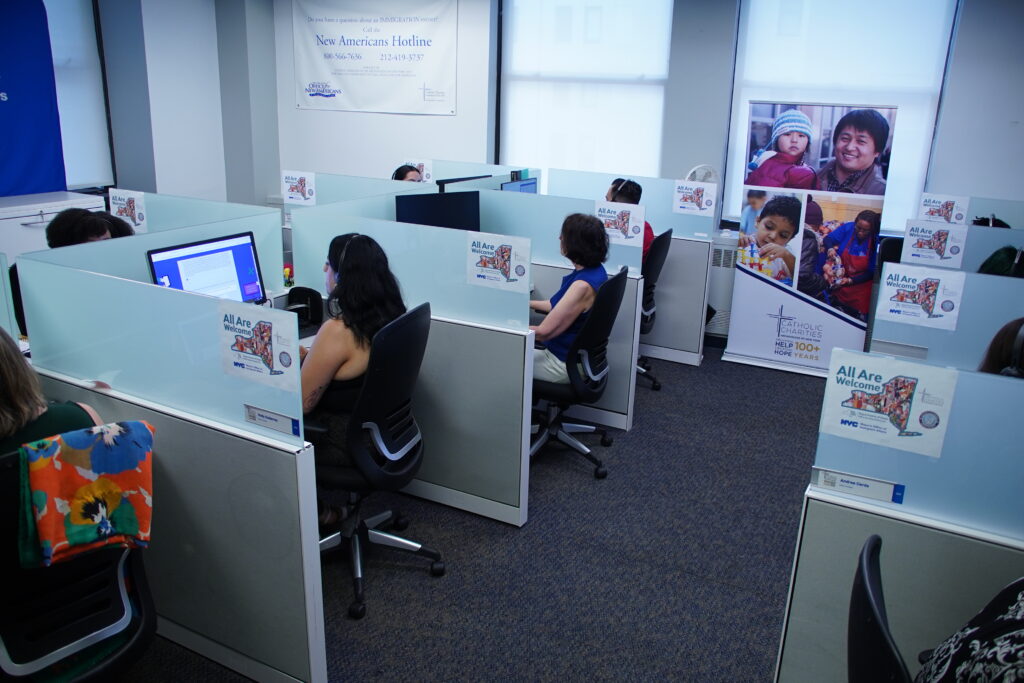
{"x": 357, "y": 610}
{"x": 400, "y": 523}
{"x": 600, "y": 472}
{"x": 437, "y": 568}
{"x": 656, "y": 386}
{"x": 606, "y": 440}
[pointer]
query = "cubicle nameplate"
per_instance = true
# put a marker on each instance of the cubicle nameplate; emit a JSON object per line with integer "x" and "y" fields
{"x": 271, "y": 420}
{"x": 856, "y": 485}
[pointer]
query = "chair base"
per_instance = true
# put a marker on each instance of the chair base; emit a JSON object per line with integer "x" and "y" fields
{"x": 360, "y": 532}
{"x": 553, "y": 427}
{"x": 643, "y": 371}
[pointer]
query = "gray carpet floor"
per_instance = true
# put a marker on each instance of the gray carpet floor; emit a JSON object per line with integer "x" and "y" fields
{"x": 676, "y": 566}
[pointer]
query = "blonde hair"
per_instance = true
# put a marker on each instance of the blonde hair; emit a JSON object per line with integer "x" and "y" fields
{"x": 21, "y": 398}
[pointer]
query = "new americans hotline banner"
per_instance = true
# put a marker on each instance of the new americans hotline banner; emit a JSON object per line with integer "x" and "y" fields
{"x": 397, "y": 57}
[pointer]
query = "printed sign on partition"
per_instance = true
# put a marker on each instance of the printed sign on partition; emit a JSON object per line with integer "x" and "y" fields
{"x": 130, "y": 206}
{"x": 888, "y": 402}
{"x": 691, "y": 196}
{"x": 298, "y": 187}
{"x": 943, "y": 209}
{"x": 933, "y": 244}
{"x": 397, "y": 57}
{"x": 920, "y": 296}
{"x": 498, "y": 261}
{"x": 255, "y": 347}
{"x": 624, "y": 223}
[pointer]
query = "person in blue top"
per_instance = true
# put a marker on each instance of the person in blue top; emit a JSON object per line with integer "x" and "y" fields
{"x": 585, "y": 243}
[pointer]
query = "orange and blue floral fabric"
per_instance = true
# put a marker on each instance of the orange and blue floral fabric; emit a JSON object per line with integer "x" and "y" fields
{"x": 85, "y": 489}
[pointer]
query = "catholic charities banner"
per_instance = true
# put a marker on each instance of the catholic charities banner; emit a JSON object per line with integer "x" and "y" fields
{"x": 396, "y": 57}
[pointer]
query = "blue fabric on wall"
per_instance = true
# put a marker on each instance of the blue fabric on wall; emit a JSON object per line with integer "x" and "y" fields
{"x": 30, "y": 142}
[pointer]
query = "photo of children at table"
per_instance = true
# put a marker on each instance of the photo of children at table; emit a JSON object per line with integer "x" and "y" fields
{"x": 770, "y": 250}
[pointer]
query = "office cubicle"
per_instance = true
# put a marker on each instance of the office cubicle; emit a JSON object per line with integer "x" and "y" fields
{"x": 234, "y": 559}
{"x": 988, "y": 302}
{"x": 474, "y": 391}
{"x": 683, "y": 287}
{"x": 1010, "y": 210}
{"x": 952, "y": 520}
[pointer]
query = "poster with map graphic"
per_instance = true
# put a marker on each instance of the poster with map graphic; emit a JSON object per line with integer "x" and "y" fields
{"x": 934, "y": 244}
{"x": 942, "y": 208}
{"x": 259, "y": 344}
{"x": 624, "y": 223}
{"x": 129, "y": 206}
{"x": 298, "y": 187}
{"x": 888, "y": 402}
{"x": 498, "y": 261}
{"x": 920, "y": 296}
{"x": 690, "y": 196}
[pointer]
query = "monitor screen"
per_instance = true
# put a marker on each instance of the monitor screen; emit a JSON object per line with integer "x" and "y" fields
{"x": 225, "y": 267}
{"x": 527, "y": 185}
{"x": 459, "y": 210}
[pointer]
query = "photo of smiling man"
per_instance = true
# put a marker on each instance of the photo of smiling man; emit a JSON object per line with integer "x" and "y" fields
{"x": 859, "y": 140}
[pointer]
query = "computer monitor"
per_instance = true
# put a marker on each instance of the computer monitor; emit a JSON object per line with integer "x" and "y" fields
{"x": 460, "y": 210}
{"x": 226, "y": 267}
{"x": 527, "y": 185}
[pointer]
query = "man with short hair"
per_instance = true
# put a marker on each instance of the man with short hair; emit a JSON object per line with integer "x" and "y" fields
{"x": 858, "y": 141}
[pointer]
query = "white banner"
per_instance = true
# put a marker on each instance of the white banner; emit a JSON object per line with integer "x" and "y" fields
{"x": 624, "y": 223}
{"x": 933, "y": 244}
{"x": 943, "y": 208}
{"x": 691, "y": 196}
{"x": 129, "y": 206}
{"x": 397, "y": 57}
{"x": 920, "y": 296}
{"x": 888, "y": 402}
{"x": 498, "y": 261}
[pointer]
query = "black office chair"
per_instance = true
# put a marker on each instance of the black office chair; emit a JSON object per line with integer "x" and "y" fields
{"x": 308, "y": 306}
{"x": 587, "y": 365}
{"x": 88, "y": 618}
{"x": 385, "y": 442}
{"x": 19, "y": 308}
{"x": 871, "y": 652}
{"x": 651, "y": 269}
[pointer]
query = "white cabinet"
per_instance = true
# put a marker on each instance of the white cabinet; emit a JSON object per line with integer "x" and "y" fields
{"x": 23, "y": 219}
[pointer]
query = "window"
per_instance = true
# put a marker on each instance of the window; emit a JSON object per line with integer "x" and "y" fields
{"x": 875, "y": 52}
{"x": 583, "y": 84}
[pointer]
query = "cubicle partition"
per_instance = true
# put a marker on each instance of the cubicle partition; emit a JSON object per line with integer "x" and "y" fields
{"x": 234, "y": 559}
{"x": 951, "y": 521}
{"x": 988, "y": 302}
{"x": 7, "y": 322}
{"x": 474, "y": 391}
{"x": 982, "y": 241}
{"x": 443, "y": 169}
{"x": 682, "y": 290}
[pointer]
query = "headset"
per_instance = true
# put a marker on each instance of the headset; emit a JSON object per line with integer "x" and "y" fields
{"x": 1016, "y": 366}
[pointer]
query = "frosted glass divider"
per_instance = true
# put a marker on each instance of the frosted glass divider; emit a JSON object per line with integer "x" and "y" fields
{"x": 540, "y": 217}
{"x": 976, "y": 480}
{"x": 7, "y": 321}
{"x": 982, "y": 241}
{"x": 430, "y": 264}
{"x": 126, "y": 257}
{"x": 158, "y": 344}
{"x": 657, "y": 198}
{"x": 167, "y": 212}
{"x": 1010, "y": 210}
{"x": 331, "y": 188}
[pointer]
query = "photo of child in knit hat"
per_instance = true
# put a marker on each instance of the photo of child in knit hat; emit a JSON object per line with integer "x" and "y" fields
{"x": 781, "y": 162}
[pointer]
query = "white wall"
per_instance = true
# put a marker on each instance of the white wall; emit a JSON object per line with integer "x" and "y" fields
{"x": 356, "y": 143}
{"x": 979, "y": 140}
{"x": 184, "y": 96}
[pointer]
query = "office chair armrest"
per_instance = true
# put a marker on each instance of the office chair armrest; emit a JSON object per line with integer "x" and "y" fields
{"x": 296, "y": 307}
{"x": 313, "y": 428}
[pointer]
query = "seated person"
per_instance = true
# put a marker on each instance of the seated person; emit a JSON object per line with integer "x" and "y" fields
{"x": 75, "y": 226}
{"x": 363, "y": 297}
{"x": 585, "y": 243}
{"x": 990, "y": 221}
{"x": 778, "y": 223}
{"x": 407, "y": 172}
{"x": 748, "y": 217}
{"x": 629, "y": 192}
{"x": 24, "y": 414}
{"x": 999, "y": 358}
